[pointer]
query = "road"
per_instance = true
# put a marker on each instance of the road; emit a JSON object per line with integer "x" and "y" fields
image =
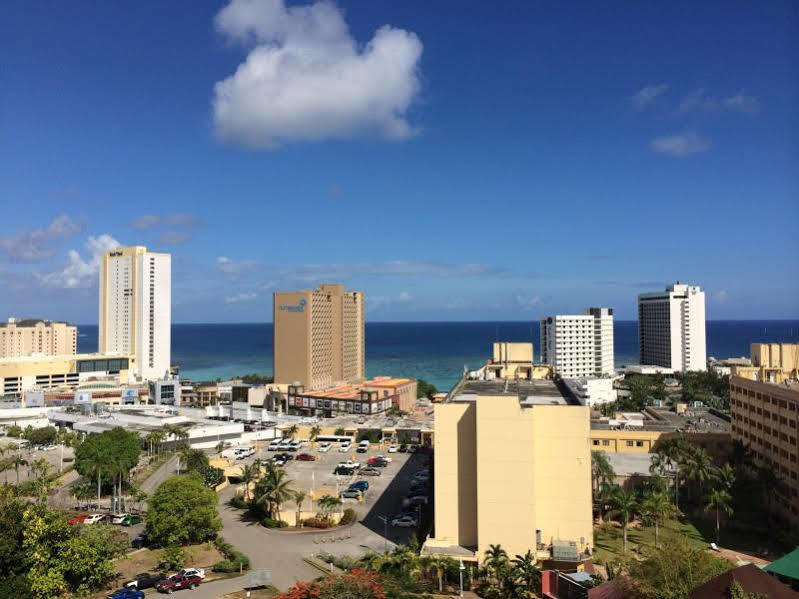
{"x": 166, "y": 470}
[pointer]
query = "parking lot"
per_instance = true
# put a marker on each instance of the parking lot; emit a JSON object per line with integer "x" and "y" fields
{"x": 383, "y": 499}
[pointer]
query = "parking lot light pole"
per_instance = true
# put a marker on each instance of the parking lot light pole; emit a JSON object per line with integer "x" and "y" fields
{"x": 385, "y": 535}
{"x": 461, "y": 568}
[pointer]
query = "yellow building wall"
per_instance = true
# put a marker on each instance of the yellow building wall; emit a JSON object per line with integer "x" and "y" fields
{"x": 505, "y": 351}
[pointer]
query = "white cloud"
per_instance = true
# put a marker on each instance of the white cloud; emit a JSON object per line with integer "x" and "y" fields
{"x": 527, "y": 302}
{"x": 647, "y": 95}
{"x": 240, "y": 297}
{"x": 34, "y": 245}
{"x": 320, "y": 272}
{"x": 79, "y": 273}
{"x": 173, "y": 238}
{"x": 699, "y": 101}
{"x": 742, "y": 102}
{"x": 307, "y": 79}
{"x": 385, "y": 302}
{"x": 720, "y": 296}
{"x": 681, "y": 144}
{"x": 234, "y": 269}
{"x": 181, "y": 219}
{"x": 146, "y": 221}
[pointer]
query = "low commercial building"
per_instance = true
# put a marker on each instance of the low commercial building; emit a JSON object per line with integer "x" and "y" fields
{"x": 164, "y": 391}
{"x": 374, "y": 396}
{"x": 512, "y": 467}
{"x": 41, "y": 337}
{"x": 207, "y": 395}
{"x": 771, "y": 363}
{"x": 593, "y": 391}
{"x": 23, "y": 373}
{"x": 765, "y": 417}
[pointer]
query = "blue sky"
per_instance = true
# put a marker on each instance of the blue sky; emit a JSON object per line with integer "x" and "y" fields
{"x": 454, "y": 160}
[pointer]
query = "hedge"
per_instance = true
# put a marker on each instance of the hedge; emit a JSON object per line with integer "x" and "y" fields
{"x": 235, "y": 560}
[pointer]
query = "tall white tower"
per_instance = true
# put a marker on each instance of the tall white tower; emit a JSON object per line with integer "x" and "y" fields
{"x": 579, "y": 345}
{"x": 136, "y": 308}
{"x": 671, "y": 328}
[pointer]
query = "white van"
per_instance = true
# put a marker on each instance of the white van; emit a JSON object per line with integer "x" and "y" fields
{"x": 363, "y": 446}
{"x": 285, "y": 444}
{"x": 345, "y": 447}
{"x": 274, "y": 445}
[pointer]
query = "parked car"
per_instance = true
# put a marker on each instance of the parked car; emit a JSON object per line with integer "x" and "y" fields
{"x": 126, "y": 593}
{"x": 343, "y": 471}
{"x": 94, "y": 518}
{"x": 360, "y": 485}
{"x": 350, "y": 464}
{"x": 274, "y": 445}
{"x": 284, "y": 456}
{"x": 377, "y": 462}
{"x": 403, "y": 448}
{"x": 422, "y": 475}
{"x": 131, "y": 519}
{"x": 139, "y": 541}
{"x": 285, "y": 444}
{"x": 405, "y": 521}
{"x": 369, "y": 471}
{"x": 350, "y": 494}
{"x": 119, "y": 518}
{"x": 142, "y": 581}
{"x": 344, "y": 447}
{"x": 363, "y": 446}
{"x": 293, "y": 446}
{"x": 305, "y": 457}
{"x": 176, "y": 583}
{"x": 191, "y": 572}
{"x": 383, "y": 457}
{"x": 416, "y": 500}
{"x": 324, "y": 447}
{"x": 79, "y": 519}
{"x": 393, "y": 448}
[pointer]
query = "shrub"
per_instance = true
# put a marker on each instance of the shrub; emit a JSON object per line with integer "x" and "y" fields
{"x": 239, "y": 503}
{"x": 272, "y": 523}
{"x": 171, "y": 557}
{"x": 348, "y": 516}
{"x": 338, "y": 432}
{"x": 317, "y": 522}
{"x": 235, "y": 560}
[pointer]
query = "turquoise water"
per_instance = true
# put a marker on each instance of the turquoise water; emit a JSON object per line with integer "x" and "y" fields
{"x": 434, "y": 351}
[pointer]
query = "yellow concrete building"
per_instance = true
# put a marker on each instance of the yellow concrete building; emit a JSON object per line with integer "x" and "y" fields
{"x": 18, "y": 375}
{"x": 771, "y": 363}
{"x": 19, "y": 338}
{"x": 512, "y": 466}
{"x": 319, "y": 336}
{"x": 765, "y": 417}
{"x": 514, "y": 360}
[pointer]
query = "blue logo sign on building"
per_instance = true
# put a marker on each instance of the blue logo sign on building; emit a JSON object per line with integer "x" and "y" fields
{"x": 300, "y": 307}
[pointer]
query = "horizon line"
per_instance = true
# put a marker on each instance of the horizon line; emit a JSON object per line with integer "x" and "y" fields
{"x": 796, "y": 319}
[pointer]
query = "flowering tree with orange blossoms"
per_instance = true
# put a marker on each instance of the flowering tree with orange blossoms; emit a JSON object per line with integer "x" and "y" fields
{"x": 357, "y": 584}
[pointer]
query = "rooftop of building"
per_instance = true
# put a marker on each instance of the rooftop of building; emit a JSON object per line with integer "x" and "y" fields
{"x": 352, "y": 390}
{"x": 530, "y": 393}
{"x": 693, "y": 420}
{"x": 30, "y": 322}
{"x": 35, "y": 357}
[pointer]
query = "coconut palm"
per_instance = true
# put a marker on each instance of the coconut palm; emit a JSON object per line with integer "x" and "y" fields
{"x": 273, "y": 490}
{"x": 726, "y": 476}
{"x": 605, "y": 495}
{"x": 625, "y": 507}
{"x": 719, "y": 500}
{"x": 699, "y": 468}
{"x": 15, "y": 461}
{"x": 299, "y": 498}
{"x": 249, "y": 473}
{"x": 438, "y": 564}
{"x": 495, "y": 559}
{"x": 601, "y": 470}
{"x": 291, "y": 431}
{"x": 314, "y": 433}
{"x": 526, "y": 571}
{"x": 328, "y": 503}
{"x": 656, "y": 508}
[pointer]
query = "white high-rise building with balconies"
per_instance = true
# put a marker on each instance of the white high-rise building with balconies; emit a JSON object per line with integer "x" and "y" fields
{"x": 671, "y": 328}
{"x": 136, "y": 308}
{"x": 579, "y": 345}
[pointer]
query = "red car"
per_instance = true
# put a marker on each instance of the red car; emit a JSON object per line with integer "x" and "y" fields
{"x": 176, "y": 583}
{"x": 379, "y": 462}
{"x": 305, "y": 457}
{"x": 78, "y": 519}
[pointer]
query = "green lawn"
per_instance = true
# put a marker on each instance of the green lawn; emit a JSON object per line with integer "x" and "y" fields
{"x": 608, "y": 544}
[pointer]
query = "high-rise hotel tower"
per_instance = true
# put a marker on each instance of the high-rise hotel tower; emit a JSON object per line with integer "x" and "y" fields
{"x": 136, "y": 308}
{"x": 671, "y": 328}
{"x": 319, "y": 336}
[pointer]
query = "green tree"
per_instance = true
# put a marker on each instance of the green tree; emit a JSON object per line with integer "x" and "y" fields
{"x": 12, "y": 567}
{"x": 625, "y": 507}
{"x": 299, "y": 499}
{"x": 495, "y": 559}
{"x": 339, "y": 431}
{"x": 526, "y": 571}
{"x": 41, "y": 436}
{"x": 15, "y": 461}
{"x": 193, "y": 459}
{"x": 14, "y": 431}
{"x": 698, "y": 468}
{"x": 328, "y": 503}
{"x": 726, "y": 476}
{"x": 718, "y": 500}
{"x": 249, "y": 474}
{"x": 425, "y": 389}
{"x": 657, "y": 508}
{"x": 601, "y": 470}
{"x": 272, "y": 490}
{"x": 182, "y": 510}
{"x": 291, "y": 431}
{"x": 40, "y": 469}
{"x": 171, "y": 557}
{"x": 108, "y": 457}
{"x": 738, "y": 592}
{"x": 314, "y": 433}
{"x": 670, "y": 571}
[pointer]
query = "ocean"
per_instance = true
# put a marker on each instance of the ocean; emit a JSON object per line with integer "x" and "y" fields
{"x": 434, "y": 351}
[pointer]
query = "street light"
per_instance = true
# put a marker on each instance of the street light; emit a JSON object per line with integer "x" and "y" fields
{"x": 385, "y": 533}
{"x": 461, "y": 568}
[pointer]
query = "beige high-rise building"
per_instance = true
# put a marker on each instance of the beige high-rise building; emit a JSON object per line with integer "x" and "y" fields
{"x": 512, "y": 467}
{"x": 135, "y": 316}
{"x": 319, "y": 336}
{"x": 48, "y": 338}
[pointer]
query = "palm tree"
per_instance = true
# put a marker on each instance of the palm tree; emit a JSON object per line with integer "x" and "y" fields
{"x": 299, "y": 498}
{"x": 495, "y": 559}
{"x": 314, "y": 433}
{"x": 291, "y": 431}
{"x": 768, "y": 482}
{"x": 82, "y": 492}
{"x": 624, "y": 507}
{"x": 327, "y": 503}
{"x": 15, "y": 461}
{"x": 179, "y": 435}
{"x": 657, "y": 507}
{"x": 526, "y": 570}
{"x": 699, "y": 468}
{"x": 273, "y": 490}
{"x": 726, "y": 475}
{"x": 601, "y": 470}
{"x": 604, "y": 497}
{"x": 438, "y": 564}
{"x": 675, "y": 450}
{"x": 719, "y": 500}
{"x": 220, "y": 447}
{"x": 249, "y": 473}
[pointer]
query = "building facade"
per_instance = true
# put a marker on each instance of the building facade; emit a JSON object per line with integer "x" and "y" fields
{"x": 671, "y": 328}
{"x": 43, "y": 337}
{"x": 18, "y": 375}
{"x": 374, "y": 396}
{"x": 135, "y": 315}
{"x": 513, "y": 470}
{"x": 770, "y": 363}
{"x": 765, "y": 417}
{"x": 319, "y": 336}
{"x": 579, "y": 345}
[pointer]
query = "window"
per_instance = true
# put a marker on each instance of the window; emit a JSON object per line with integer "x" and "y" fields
{"x": 606, "y": 442}
{"x": 639, "y": 443}
{"x": 629, "y": 443}
{"x": 595, "y": 442}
